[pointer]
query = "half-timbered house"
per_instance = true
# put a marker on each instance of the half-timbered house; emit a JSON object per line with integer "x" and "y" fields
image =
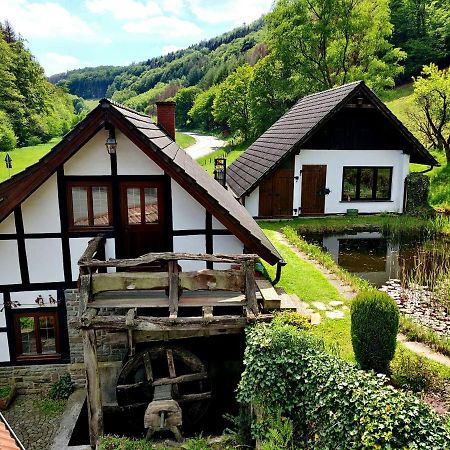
{"x": 119, "y": 174}
{"x": 332, "y": 151}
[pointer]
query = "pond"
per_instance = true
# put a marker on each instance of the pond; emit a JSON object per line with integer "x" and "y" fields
{"x": 377, "y": 258}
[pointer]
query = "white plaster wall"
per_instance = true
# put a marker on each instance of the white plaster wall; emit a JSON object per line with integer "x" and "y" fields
{"x": 252, "y": 202}
{"x": 9, "y": 263}
{"x": 187, "y": 213}
{"x": 40, "y": 211}
{"x": 45, "y": 260}
{"x": 4, "y": 347}
{"x": 226, "y": 244}
{"x": 190, "y": 244}
{"x": 91, "y": 159}
{"x": 131, "y": 160}
{"x": 216, "y": 225}
{"x": 27, "y": 299}
{"x": 337, "y": 159}
{"x": 2, "y": 312}
{"x": 8, "y": 226}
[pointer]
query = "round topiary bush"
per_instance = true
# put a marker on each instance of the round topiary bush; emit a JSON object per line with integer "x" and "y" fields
{"x": 374, "y": 326}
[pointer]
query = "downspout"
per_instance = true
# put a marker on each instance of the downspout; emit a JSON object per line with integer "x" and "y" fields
{"x": 426, "y": 170}
{"x": 280, "y": 264}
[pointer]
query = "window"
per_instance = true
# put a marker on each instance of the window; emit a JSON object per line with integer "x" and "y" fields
{"x": 37, "y": 335}
{"x": 89, "y": 205}
{"x": 366, "y": 183}
{"x": 142, "y": 205}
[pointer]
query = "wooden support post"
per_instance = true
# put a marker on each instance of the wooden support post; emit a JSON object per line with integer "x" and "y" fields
{"x": 250, "y": 286}
{"x": 130, "y": 323}
{"x": 174, "y": 289}
{"x": 85, "y": 285}
{"x": 94, "y": 395}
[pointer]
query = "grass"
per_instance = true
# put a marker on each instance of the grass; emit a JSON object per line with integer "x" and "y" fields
{"x": 184, "y": 140}
{"x": 50, "y": 407}
{"x": 5, "y": 391}
{"x": 231, "y": 152}
{"x": 24, "y": 157}
{"x": 91, "y": 103}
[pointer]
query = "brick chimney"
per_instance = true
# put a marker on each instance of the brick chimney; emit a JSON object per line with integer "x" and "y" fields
{"x": 165, "y": 116}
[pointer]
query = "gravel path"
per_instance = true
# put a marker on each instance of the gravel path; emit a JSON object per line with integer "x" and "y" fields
{"x": 33, "y": 428}
{"x": 204, "y": 145}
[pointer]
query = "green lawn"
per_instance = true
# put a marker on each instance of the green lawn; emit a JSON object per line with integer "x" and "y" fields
{"x": 184, "y": 140}
{"x": 231, "y": 152}
{"x": 24, "y": 157}
{"x": 91, "y": 104}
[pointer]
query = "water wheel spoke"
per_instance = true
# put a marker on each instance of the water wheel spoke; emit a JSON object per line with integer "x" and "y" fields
{"x": 172, "y": 372}
{"x": 148, "y": 366}
{"x": 181, "y": 379}
{"x": 194, "y": 397}
{"x": 127, "y": 387}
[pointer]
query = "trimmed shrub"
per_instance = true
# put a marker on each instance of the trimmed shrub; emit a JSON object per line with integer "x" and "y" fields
{"x": 331, "y": 403}
{"x": 374, "y": 327}
{"x": 418, "y": 187}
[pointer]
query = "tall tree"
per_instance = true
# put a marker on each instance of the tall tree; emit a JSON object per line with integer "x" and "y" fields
{"x": 201, "y": 113}
{"x": 432, "y": 97}
{"x": 326, "y": 43}
{"x": 231, "y": 105}
{"x": 184, "y": 99}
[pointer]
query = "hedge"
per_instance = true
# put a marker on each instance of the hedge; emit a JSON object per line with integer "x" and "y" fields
{"x": 331, "y": 403}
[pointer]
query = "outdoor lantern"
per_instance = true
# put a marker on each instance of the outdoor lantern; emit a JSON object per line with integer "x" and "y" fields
{"x": 111, "y": 143}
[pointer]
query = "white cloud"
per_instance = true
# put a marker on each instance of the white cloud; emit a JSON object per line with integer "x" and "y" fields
{"x": 173, "y": 6}
{"x": 235, "y": 11}
{"x": 42, "y": 20}
{"x": 164, "y": 27}
{"x": 57, "y": 63}
{"x": 169, "y": 49}
{"x": 124, "y": 9}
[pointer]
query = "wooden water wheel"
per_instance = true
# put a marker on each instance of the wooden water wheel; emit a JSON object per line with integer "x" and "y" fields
{"x": 166, "y": 365}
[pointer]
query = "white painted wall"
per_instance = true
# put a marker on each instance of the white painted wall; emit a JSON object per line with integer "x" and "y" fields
{"x": 190, "y": 244}
{"x": 27, "y": 299}
{"x": 45, "y": 260}
{"x": 337, "y": 159}
{"x": 2, "y": 312}
{"x": 40, "y": 211}
{"x": 252, "y": 202}
{"x": 131, "y": 160}
{"x": 226, "y": 244}
{"x": 8, "y": 226}
{"x": 91, "y": 159}
{"x": 4, "y": 347}
{"x": 9, "y": 263}
{"x": 187, "y": 213}
{"x": 217, "y": 225}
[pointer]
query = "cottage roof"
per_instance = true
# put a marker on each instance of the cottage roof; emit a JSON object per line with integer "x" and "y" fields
{"x": 7, "y": 442}
{"x": 299, "y": 124}
{"x": 154, "y": 142}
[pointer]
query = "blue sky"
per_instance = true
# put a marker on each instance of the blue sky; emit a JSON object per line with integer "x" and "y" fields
{"x": 68, "y": 34}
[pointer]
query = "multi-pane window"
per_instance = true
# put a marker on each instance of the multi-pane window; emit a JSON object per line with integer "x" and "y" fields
{"x": 89, "y": 205}
{"x": 36, "y": 335}
{"x": 366, "y": 183}
{"x": 142, "y": 205}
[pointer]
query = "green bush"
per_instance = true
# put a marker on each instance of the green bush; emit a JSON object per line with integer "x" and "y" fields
{"x": 62, "y": 388}
{"x": 413, "y": 372}
{"x": 374, "y": 327}
{"x": 292, "y": 318}
{"x": 331, "y": 403}
{"x": 418, "y": 187}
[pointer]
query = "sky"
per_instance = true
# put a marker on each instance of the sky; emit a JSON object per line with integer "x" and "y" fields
{"x": 70, "y": 34}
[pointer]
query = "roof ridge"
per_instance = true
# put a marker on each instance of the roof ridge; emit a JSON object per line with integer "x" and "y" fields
{"x": 122, "y": 106}
{"x": 336, "y": 88}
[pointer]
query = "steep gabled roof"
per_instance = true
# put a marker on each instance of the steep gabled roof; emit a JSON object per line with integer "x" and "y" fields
{"x": 155, "y": 143}
{"x": 295, "y": 127}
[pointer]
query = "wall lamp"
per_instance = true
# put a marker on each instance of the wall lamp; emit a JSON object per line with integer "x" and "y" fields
{"x": 111, "y": 143}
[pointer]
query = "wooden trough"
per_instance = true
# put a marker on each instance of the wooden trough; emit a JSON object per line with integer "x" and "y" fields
{"x": 155, "y": 283}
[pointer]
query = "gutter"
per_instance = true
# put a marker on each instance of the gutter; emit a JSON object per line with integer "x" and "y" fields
{"x": 280, "y": 264}
{"x": 426, "y": 170}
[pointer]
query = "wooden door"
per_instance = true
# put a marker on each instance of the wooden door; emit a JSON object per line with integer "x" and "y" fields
{"x": 313, "y": 189}
{"x": 142, "y": 218}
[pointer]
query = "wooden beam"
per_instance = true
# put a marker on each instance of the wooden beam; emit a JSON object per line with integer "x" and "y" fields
{"x": 213, "y": 280}
{"x": 84, "y": 293}
{"x": 271, "y": 299}
{"x": 174, "y": 289}
{"x": 129, "y": 281}
{"x": 181, "y": 379}
{"x": 92, "y": 248}
{"x": 169, "y": 256}
{"x": 94, "y": 395}
{"x": 250, "y": 286}
{"x": 129, "y": 322}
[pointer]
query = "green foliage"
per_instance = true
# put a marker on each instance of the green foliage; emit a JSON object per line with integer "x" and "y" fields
{"x": 332, "y": 404}
{"x": 62, "y": 388}
{"x": 201, "y": 112}
{"x": 413, "y": 372}
{"x": 184, "y": 99}
{"x": 5, "y": 391}
{"x": 418, "y": 186}
{"x": 198, "y": 443}
{"x": 432, "y": 98}
{"x": 8, "y": 139}
{"x": 292, "y": 318}
{"x": 324, "y": 43}
{"x": 280, "y": 435}
{"x": 51, "y": 407}
{"x": 374, "y": 327}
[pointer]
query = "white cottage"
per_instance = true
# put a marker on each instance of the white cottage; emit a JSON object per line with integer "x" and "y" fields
{"x": 145, "y": 194}
{"x": 332, "y": 151}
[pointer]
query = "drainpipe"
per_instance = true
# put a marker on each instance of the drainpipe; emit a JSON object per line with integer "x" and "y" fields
{"x": 280, "y": 264}
{"x": 426, "y": 170}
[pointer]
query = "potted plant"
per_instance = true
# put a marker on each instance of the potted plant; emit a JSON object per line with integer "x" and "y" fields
{"x": 7, "y": 393}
